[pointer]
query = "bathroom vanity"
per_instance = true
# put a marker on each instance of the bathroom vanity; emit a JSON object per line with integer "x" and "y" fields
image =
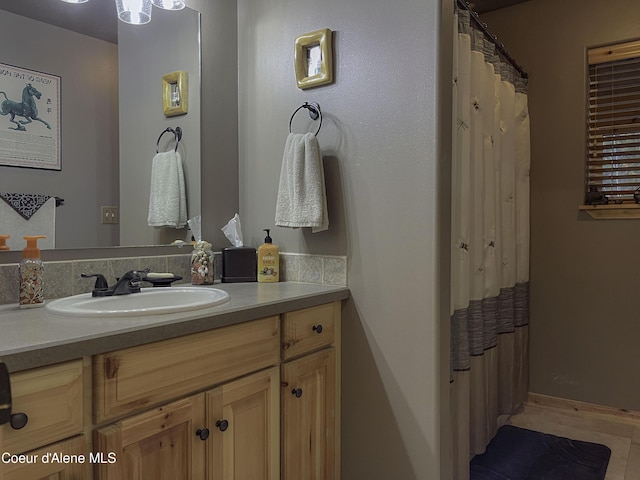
{"x": 248, "y": 389}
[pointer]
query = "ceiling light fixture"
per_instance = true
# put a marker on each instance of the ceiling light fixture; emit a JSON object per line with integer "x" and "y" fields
{"x": 169, "y": 4}
{"x": 134, "y": 12}
{"x": 138, "y": 12}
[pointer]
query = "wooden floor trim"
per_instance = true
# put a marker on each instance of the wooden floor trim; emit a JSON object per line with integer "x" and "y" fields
{"x": 578, "y": 406}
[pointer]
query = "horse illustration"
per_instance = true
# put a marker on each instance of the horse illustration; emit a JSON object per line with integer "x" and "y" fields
{"x": 27, "y": 108}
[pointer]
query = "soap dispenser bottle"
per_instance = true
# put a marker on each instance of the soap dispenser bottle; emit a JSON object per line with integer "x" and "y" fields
{"x": 31, "y": 274}
{"x": 268, "y": 261}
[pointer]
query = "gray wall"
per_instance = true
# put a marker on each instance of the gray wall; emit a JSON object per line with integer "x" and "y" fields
{"x": 584, "y": 273}
{"x": 380, "y": 141}
{"x": 89, "y": 176}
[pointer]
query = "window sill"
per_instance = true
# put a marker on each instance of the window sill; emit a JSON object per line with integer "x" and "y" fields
{"x": 623, "y": 211}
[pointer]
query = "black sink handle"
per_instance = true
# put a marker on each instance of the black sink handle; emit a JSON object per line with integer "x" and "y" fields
{"x": 101, "y": 282}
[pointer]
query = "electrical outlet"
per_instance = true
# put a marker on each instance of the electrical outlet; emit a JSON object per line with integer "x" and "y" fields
{"x": 109, "y": 215}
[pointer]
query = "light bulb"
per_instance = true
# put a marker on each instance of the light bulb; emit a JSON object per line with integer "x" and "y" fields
{"x": 135, "y": 12}
{"x": 169, "y": 4}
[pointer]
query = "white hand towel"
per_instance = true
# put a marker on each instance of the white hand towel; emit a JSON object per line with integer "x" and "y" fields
{"x": 302, "y": 198}
{"x": 167, "y": 198}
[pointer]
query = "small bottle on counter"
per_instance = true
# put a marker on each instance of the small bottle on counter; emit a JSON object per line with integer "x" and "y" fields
{"x": 268, "y": 261}
{"x": 202, "y": 264}
{"x": 3, "y": 242}
{"x": 31, "y": 274}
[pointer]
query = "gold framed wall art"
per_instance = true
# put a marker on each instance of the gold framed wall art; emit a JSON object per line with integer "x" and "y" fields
{"x": 175, "y": 93}
{"x": 314, "y": 59}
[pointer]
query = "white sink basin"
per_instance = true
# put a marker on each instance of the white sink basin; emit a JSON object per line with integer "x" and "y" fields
{"x": 149, "y": 301}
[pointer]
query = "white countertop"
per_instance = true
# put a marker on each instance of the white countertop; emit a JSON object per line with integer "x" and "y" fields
{"x": 33, "y": 337}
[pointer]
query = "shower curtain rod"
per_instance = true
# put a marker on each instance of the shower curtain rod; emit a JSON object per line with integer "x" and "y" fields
{"x": 492, "y": 37}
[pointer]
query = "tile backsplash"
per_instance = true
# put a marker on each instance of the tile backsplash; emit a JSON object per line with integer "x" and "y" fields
{"x": 63, "y": 278}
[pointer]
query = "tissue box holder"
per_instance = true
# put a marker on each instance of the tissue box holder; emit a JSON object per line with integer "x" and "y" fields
{"x": 239, "y": 264}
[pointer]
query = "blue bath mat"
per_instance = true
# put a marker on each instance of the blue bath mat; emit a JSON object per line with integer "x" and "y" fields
{"x": 519, "y": 454}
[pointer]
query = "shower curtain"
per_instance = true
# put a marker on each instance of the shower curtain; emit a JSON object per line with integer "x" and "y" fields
{"x": 490, "y": 243}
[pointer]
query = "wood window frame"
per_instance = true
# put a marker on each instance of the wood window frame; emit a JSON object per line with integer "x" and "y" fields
{"x": 612, "y": 166}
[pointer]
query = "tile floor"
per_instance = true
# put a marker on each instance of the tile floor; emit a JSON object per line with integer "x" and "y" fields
{"x": 620, "y": 433}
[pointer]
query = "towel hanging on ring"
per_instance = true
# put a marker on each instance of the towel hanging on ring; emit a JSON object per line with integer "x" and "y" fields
{"x": 302, "y": 199}
{"x": 167, "y": 195}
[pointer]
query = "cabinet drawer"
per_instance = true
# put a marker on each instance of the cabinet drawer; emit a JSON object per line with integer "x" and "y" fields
{"x": 135, "y": 378}
{"x": 51, "y": 397}
{"x": 308, "y": 329}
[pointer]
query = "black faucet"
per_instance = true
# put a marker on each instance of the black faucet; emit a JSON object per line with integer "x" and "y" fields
{"x": 125, "y": 285}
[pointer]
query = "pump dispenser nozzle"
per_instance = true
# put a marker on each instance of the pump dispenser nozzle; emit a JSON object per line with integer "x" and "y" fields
{"x": 3, "y": 242}
{"x": 32, "y": 250}
{"x": 267, "y": 239}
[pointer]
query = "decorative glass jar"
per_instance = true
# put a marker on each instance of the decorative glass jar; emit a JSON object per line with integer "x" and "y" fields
{"x": 202, "y": 264}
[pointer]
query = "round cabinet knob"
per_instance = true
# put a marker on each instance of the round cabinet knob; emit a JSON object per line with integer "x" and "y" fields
{"x": 297, "y": 392}
{"x": 317, "y": 328}
{"x": 18, "y": 420}
{"x": 222, "y": 425}
{"x": 202, "y": 433}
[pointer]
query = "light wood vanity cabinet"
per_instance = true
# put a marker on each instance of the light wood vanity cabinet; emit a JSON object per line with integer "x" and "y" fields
{"x": 311, "y": 394}
{"x": 51, "y": 398}
{"x": 229, "y": 432}
{"x": 257, "y": 400}
{"x": 245, "y": 437}
{"x": 304, "y": 331}
{"x": 136, "y": 378}
{"x": 40, "y": 470}
{"x": 156, "y": 444}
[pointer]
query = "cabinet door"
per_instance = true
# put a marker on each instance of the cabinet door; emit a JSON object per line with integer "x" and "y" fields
{"x": 161, "y": 444}
{"x": 42, "y": 466}
{"x": 309, "y": 417}
{"x": 244, "y": 419}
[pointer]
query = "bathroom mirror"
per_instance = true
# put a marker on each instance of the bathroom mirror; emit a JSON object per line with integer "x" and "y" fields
{"x": 101, "y": 140}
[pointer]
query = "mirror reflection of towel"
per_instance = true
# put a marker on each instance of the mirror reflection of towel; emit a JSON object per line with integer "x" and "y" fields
{"x": 302, "y": 198}
{"x": 167, "y": 197}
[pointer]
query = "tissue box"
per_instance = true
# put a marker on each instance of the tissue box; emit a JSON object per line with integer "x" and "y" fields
{"x": 239, "y": 264}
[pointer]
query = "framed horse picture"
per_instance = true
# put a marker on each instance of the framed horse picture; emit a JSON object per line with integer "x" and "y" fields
{"x": 29, "y": 118}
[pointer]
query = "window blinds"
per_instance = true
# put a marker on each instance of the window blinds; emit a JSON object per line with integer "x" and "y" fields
{"x": 613, "y": 136}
